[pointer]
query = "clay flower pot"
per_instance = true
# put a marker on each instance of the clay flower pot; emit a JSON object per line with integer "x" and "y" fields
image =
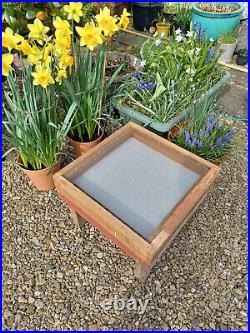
{"x": 42, "y": 179}
{"x": 81, "y": 148}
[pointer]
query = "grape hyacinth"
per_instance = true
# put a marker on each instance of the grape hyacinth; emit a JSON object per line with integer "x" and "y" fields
{"x": 142, "y": 85}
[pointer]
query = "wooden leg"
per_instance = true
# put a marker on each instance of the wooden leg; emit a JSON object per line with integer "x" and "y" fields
{"x": 78, "y": 220}
{"x": 142, "y": 272}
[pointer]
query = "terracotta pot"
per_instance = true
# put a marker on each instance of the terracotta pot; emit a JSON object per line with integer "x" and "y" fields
{"x": 42, "y": 179}
{"x": 175, "y": 130}
{"x": 165, "y": 28}
{"x": 81, "y": 148}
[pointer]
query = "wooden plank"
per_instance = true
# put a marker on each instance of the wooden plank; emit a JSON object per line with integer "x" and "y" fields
{"x": 232, "y": 66}
{"x": 171, "y": 150}
{"x": 109, "y": 225}
{"x": 96, "y": 153}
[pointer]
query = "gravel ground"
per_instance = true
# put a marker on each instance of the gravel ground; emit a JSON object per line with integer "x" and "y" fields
{"x": 55, "y": 275}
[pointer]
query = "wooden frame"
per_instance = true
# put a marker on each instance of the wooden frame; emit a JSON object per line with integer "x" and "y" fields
{"x": 83, "y": 206}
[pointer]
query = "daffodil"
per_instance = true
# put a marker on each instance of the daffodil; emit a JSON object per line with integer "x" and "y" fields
{"x": 107, "y": 23}
{"x": 60, "y": 75}
{"x": 90, "y": 35}
{"x": 10, "y": 40}
{"x": 65, "y": 61}
{"x": 42, "y": 77}
{"x": 7, "y": 59}
{"x": 38, "y": 31}
{"x": 34, "y": 55}
{"x": 62, "y": 25}
{"x": 24, "y": 47}
{"x": 124, "y": 20}
{"x": 74, "y": 11}
{"x": 62, "y": 41}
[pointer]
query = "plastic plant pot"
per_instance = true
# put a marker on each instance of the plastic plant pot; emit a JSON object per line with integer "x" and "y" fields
{"x": 163, "y": 128}
{"x": 227, "y": 51}
{"x": 217, "y": 24}
{"x": 241, "y": 60}
{"x": 145, "y": 15}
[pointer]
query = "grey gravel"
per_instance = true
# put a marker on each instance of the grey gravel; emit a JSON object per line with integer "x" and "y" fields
{"x": 55, "y": 275}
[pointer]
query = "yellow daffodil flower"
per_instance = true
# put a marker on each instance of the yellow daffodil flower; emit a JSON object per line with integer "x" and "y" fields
{"x": 62, "y": 25}
{"x": 42, "y": 77}
{"x": 74, "y": 11}
{"x": 62, "y": 41}
{"x": 38, "y": 31}
{"x": 24, "y": 47}
{"x": 7, "y": 59}
{"x": 10, "y": 40}
{"x": 60, "y": 75}
{"x": 65, "y": 61}
{"x": 124, "y": 20}
{"x": 90, "y": 35}
{"x": 107, "y": 23}
{"x": 34, "y": 55}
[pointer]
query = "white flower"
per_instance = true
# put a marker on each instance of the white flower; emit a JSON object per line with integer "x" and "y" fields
{"x": 211, "y": 39}
{"x": 190, "y": 71}
{"x": 178, "y": 31}
{"x": 155, "y": 34}
{"x": 197, "y": 50}
{"x": 143, "y": 63}
{"x": 189, "y": 33}
{"x": 157, "y": 42}
{"x": 162, "y": 34}
{"x": 179, "y": 38}
{"x": 135, "y": 62}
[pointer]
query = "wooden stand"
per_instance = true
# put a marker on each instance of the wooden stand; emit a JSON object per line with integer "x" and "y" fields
{"x": 85, "y": 208}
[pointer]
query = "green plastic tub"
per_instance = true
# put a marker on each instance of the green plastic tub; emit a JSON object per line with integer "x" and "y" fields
{"x": 217, "y": 24}
{"x": 163, "y": 128}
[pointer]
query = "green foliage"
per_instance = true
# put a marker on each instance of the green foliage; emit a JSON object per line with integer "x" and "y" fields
{"x": 87, "y": 87}
{"x": 34, "y": 124}
{"x": 228, "y": 39}
{"x": 184, "y": 68}
{"x": 243, "y": 52}
{"x": 182, "y": 18}
{"x": 205, "y": 134}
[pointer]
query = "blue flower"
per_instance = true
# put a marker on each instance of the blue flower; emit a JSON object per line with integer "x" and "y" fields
{"x": 136, "y": 74}
{"x": 187, "y": 136}
{"x": 199, "y": 144}
{"x": 211, "y": 118}
{"x": 201, "y": 133}
{"x": 231, "y": 132}
{"x": 212, "y": 148}
{"x": 210, "y": 127}
{"x": 211, "y": 52}
{"x": 227, "y": 138}
{"x": 219, "y": 140}
{"x": 221, "y": 146}
{"x": 192, "y": 144}
{"x": 145, "y": 85}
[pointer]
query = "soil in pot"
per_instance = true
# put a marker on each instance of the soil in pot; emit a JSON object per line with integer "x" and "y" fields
{"x": 81, "y": 147}
{"x": 42, "y": 179}
{"x": 217, "y": 8}
{"x": 241, "y": 59}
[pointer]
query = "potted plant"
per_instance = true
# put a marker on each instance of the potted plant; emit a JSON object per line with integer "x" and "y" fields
{"x": 174, "y": 76}
{"x": 162, "y": 25}
{"x": 36, "y": 129}
{"x": 145, "y": 13}
{"x": 169, "y": 11}
{"x": 182, "y": 19}
{"x": 87, "y": 84}
{"x": 205, "y": 134}
{"x": 218, "y": 19}
{"x": 227, "y": 46}
{"x": 242, "y": 57}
